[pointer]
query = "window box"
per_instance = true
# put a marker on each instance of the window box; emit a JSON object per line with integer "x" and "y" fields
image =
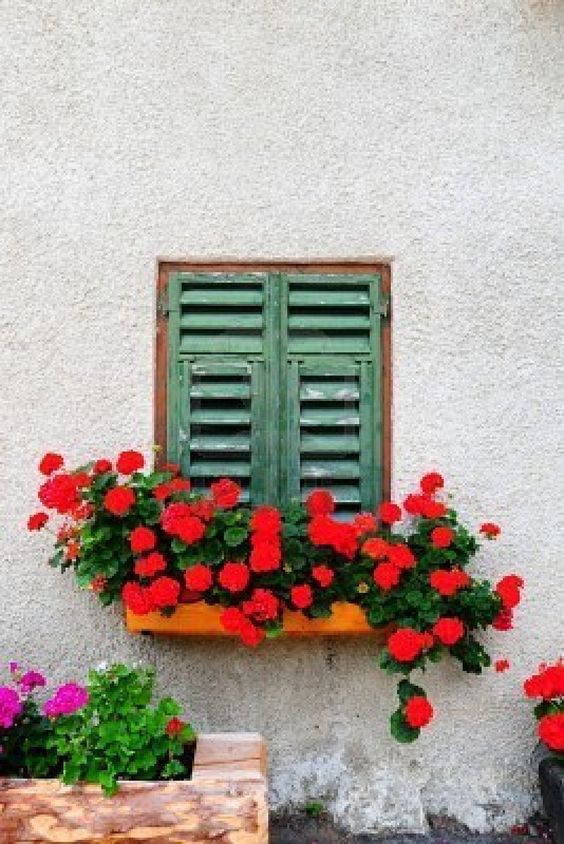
{"x": 225, "y": 800}
{"x": 201, "y": 619}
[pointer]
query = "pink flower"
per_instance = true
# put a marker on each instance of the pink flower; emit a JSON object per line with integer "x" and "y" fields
{"x": 67, "y": 699}
{"x": 10, "y": 706}
{"x": 30, "y": 681}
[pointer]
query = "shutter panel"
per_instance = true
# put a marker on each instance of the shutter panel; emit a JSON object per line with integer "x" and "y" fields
{"x": 218, "y": 331}
{"x": 219, "y": 433}
{"x": 333, "y": 417}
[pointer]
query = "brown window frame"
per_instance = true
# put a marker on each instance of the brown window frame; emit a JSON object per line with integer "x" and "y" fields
{"x": 167, "y": 266}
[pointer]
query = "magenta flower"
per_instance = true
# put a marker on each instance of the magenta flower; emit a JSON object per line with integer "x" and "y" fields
{"x": 30, "y": 681}
{"x": 10, "y": 707}
{"x": 67, "y": 699}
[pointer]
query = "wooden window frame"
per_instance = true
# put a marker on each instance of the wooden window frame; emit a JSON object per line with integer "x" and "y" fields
{"x": 167, "y": 266}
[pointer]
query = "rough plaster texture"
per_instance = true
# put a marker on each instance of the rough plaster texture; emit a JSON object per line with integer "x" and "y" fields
{"x": 422, "y": 131}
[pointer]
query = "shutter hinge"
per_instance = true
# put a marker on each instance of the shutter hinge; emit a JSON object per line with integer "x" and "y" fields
{"x": 162, "y": 304}
{"x": 385, "y": 305}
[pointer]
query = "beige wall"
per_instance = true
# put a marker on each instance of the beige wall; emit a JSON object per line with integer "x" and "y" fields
{"x": 424, "y": 131}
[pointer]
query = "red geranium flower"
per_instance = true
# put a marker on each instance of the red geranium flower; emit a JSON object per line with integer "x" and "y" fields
{"x": 250, "y": 634}
{"x": 441, "y": 537}
{"x": 198, "y": 578}
{"x": 226, "y": 493}
{"x": 173, "y": 515}
{"x": 413, "y": 504}
{"x": 190, "y": 530}
{"x": 179, "y": 485}
{"x": 301, "y": 596}
{"x": 82, "y": 479}
{"x": 234, "y": 577}
{"x": 164, "y": 592}
{"x": 432, "y": 509}
{"x": 37, "y": 521}
{"x": 449, "y": 631}
{"x": 375, "y": 548}
{"x": 548, "y": 683}
{"x": 162, "y": 491}
{"x": 266, "y": 520}
{"x": 324, "y": 575}
{"x": 119, "y": 500}
{"x": 418, "y": 711}
{"x": 401, "y": 556}
{"x": 389, "y": 512}
{"x": 508, "y": 590}
{"x": 129, "y": 462}
{"x": 263, "y": 606}
{"x": 501, "y": 665}
{"x": 386, "y": 576}
{"x": 150, "y": 565}
{"x": 431, "y": 482}
{"x": 174, "y": 727}
{"x": 137, "y": 598}
{"x": 490, "y": 530}
{"x": 203, "y": 509}
{"x": 232, "y": 619}
{"x": 406, "y": 644}
{"x": 50, "y": 462}
{"x": 323, "y": 530}
{"x": 59, "y": 493}
{"x": 503, "y": 620}
{"x": 447, "y": 583}
{"x": 265, "y": 556}
{"x": 551, "y": 731}
{"x": 320, "y": 502}
{"x": 102, "y": 466}
{"x": 364, "y": 523}
{"x": 142, "y": 539}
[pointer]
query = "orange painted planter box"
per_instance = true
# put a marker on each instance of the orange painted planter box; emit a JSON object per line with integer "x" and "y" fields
{"x": 201, "y": 619}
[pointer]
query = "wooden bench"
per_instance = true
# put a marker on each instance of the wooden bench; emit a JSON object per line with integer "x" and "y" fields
{"x": 226, "y": 800}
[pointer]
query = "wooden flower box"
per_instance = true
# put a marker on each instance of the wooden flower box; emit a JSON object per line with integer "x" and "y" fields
{"x": 224, "y": 801}
{"x": 200, "y": 619}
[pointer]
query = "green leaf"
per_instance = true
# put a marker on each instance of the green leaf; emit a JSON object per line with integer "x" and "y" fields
{"x": 401, "y": 730}
{"x": 235, "y": 536}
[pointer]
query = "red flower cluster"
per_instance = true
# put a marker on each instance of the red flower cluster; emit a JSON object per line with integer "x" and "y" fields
{"x": 340, "y": 536}
{"x": 418, "y": 711}
{"x": 198, "y": 578}
{"x": 320, "y": 502}
{"x": 225, "y": 493}
{"x": 441, "y": 537}
{"x": 301, "y": 596}
{"x": 266, "y": 550}
{"x": 234, "y": 577}
{"x": 406, "y": 644}
{"x": 490, "y": 530}
{"x": 162, "y": 593}
{"x": 142, "y": 539}
{"x": 169, "y": 488}
{"x": 119, "y": 500}
{"x": 323, "y": 575}
{"x": 263, "y": 606}
{"x": 178, "y": 520}
{"x": 37, "y": 521}
{"x": 60, "y": 493}
{"x": 129, "y": 462}
{"x": 389, "y": 512}
{"x": 50, "y": 463}
{"x": 547, "y": 683}
{"x": 448, "y": 631}
{"x": 150, "y": 565}
{"x": 393, "y": 559}
{"x": 448, "y": 582}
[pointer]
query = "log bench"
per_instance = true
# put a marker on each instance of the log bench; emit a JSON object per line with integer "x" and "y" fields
{"x": 225, "y": 802}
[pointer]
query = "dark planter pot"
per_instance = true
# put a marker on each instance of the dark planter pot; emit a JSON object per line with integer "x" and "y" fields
{"x": 551, "y": 774}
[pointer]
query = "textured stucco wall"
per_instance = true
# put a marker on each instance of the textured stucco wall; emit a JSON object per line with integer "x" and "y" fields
{"x": 425, "y": 131}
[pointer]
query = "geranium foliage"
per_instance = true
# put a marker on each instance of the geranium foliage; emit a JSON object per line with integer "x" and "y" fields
{"x": 146, "y": 537}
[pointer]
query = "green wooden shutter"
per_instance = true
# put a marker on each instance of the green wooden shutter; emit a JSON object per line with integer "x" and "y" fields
{"x": 275, "y": 380}
{"x": 331, "y": 332}
{"x": 219, "y": 329}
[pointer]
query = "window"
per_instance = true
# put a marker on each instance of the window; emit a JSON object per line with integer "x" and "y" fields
{"x": 277, "y": 377}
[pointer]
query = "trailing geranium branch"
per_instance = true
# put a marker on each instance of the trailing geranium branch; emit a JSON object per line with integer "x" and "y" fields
{"x": 547, "y": 685}
{"x": 147, "y": 537}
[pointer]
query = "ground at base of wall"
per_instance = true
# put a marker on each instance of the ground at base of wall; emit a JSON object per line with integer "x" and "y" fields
{"x": 299, "y": 829}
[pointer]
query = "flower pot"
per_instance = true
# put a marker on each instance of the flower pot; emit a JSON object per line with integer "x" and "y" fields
{"x": 225, "y": 800}
{"x": 201, "y": 619}
{"x": 551, "y": 774}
